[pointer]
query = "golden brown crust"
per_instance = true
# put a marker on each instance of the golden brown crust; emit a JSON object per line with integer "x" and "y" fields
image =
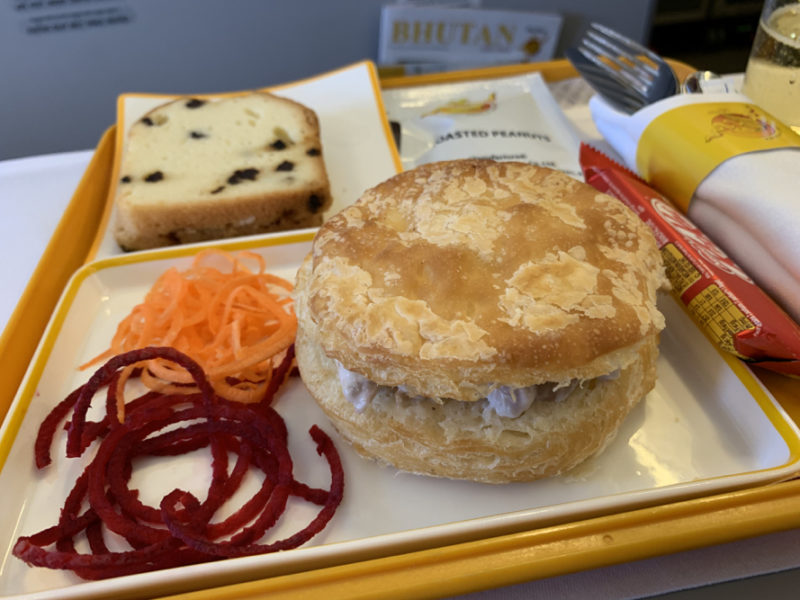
{"x": 459, "y": 276}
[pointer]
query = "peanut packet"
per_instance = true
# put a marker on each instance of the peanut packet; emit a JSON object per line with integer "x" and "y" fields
{"x": 509, "y": 118}
{"x": 732, "y": 310}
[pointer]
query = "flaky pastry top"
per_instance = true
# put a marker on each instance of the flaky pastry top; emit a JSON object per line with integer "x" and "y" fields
{"x": 456, "y": 277}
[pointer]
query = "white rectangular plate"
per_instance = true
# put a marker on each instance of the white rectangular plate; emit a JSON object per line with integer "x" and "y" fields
{"x": 707, "y": 427}
{"x": 356, "y": 139}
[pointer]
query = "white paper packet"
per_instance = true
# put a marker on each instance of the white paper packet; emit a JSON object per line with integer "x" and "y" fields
{"x": 510, "y": 118}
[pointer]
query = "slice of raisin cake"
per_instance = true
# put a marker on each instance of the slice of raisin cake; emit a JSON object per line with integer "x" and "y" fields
{"x": 195, "y": 170}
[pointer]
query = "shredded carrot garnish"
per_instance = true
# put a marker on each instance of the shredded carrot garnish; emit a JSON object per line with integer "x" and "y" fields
{"x": 236, "y": 322}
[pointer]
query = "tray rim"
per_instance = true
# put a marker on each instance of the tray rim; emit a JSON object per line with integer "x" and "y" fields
{"x": 504, "y": 560}
{"x": 64, "y": 253}
{"x": 534, "y": 554}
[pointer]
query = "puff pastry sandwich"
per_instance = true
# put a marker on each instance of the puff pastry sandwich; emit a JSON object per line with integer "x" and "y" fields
{"x": 480, "y": 320}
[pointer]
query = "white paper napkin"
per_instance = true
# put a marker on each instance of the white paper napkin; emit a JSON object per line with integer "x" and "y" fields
{"x": 749, "y": 205}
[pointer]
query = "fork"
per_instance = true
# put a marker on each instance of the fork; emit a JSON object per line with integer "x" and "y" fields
{"x": 622, "y": 71}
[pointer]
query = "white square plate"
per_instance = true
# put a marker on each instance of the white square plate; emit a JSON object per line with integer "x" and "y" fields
{"x": 707, "y": 427}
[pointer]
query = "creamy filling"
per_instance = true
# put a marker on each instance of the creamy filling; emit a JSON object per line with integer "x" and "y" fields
{"x": 358, "y": 390}
{"x": 505, "y": 401}
{"x": 512, "y": 402}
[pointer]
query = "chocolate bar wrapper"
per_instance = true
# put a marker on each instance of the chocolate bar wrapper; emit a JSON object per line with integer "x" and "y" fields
{"x": 725, "y": 302}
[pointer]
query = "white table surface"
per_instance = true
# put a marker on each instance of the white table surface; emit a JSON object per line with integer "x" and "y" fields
{"x": 33, "y": 194}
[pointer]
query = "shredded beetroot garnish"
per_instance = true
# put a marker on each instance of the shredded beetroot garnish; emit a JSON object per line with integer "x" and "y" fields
{"x": 182, "y": 530}
{"x": 47, "y": 430}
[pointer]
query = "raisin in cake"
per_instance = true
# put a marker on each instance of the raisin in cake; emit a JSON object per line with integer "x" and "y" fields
{"x": 195, "y": 170}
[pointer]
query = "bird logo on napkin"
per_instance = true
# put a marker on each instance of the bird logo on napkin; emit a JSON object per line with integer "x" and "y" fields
{"x": 751, "y": 124}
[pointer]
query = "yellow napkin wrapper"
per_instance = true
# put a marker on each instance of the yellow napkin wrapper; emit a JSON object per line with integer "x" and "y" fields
{"x": 681, "y": 147}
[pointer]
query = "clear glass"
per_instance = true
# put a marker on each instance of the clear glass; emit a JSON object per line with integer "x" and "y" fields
{"x": 772, "y": 78}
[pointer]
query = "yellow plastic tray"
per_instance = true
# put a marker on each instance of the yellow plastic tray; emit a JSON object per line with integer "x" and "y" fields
{"x": 67, "y": 250}
{"x": 460, "y": 568}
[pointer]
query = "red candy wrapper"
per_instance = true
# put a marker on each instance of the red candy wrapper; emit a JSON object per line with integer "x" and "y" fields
{"x": 733, "y": 311}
